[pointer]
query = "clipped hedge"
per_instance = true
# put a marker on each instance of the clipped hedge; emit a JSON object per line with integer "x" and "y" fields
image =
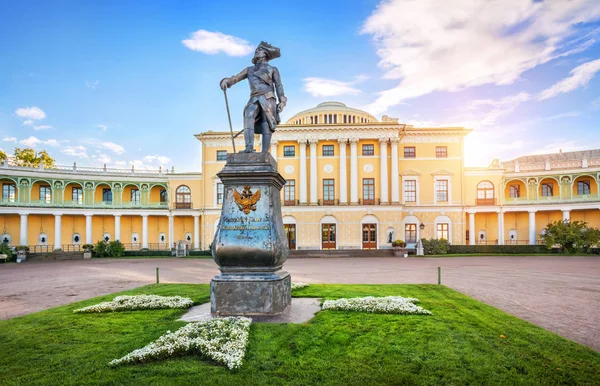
{"x": 148, "y": 253}
{"x": 503, "y": 249}
{"x": 200, "y": 253}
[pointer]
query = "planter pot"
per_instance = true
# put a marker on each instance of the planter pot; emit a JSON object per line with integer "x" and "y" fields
{"x": 21, "y": 256}
{"x": 399, "y": 252}
{"x": 87, "y": 254}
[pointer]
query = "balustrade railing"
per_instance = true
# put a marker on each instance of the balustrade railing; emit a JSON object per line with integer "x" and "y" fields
{"x": 81, "y": 204}
{"x": 74, "y": 169}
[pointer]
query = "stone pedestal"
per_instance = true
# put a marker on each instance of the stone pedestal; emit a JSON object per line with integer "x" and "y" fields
{"x": 250, "y": 245}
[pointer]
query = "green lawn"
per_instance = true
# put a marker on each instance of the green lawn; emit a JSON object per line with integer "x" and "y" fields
{"x": 460, "y": 344}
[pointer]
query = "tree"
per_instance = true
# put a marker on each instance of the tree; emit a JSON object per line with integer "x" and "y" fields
{"x": 3, "y": 156}
{"x": 28, "y": 157}
{"x": 572, "y": 237}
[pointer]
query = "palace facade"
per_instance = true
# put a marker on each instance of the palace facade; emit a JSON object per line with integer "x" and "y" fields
{"x": 353, "y": 182}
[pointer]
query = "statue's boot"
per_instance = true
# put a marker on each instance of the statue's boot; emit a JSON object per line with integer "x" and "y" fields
{"x": 249, "y": 139}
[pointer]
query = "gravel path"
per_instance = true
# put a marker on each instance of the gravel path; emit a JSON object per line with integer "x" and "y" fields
{"x": 561, "y": 294}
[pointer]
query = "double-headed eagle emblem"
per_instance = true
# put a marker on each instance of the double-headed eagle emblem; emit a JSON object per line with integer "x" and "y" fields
{"x": 246, "y": 201}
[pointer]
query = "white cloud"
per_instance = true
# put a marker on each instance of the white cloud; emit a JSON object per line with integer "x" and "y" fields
{"x": 75, "y": 151}
{"x": 92, "y": 83}
{"x": 9, "y": 139}
{"x": 569, "y": 114}
{"x": 31, "y": 142}
{"x": 152, "y": 162}
{"x": 42, "y": 127}
{"x": 115, "y": 148}
{"x": 214, "y": 42}
{"x": 102, "y": 157}
{"x": 103, "y": 127}
{"x": 580, "y": 76}
{"x": 431, "y": 45}
{"x": 321, "y": 87}
{"x": 30, "y": 114}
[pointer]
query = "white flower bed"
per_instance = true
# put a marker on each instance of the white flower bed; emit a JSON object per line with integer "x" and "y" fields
{"x": 299, "y": 286}
{"x": 138, "y": 302}
{"x": 223, "y": 340}
{"x": 385, "y": 305}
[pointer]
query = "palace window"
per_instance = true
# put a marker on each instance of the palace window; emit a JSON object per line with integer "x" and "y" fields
{"x": 442, "y": 231}
{"x": 106, "y": 195}
{"x": 368, "y": 191}
{"x": 77, "y": 195}
{"x": 163, "y": 195}
{"x": 328, "y": 192}
{"x": 219, "y": 193}
{"x": 410, "y": 152}
{"x": 368, "y": 150}
{"x": 221, "y": 155}
{"x": 45, "y": 194}
{"x": 410, "y": 233}
{"x": 289, "y": 151}
{"x": 441, "y": 151}
{"x": 515, "y": 191}
{"x": 441, "y": 190}
{"x": 289, "y": 192}
{"x": 410, "y": 191}
{"x": 583, "y": 187}
{"x": 9, "y": 192}
{"x": 135, "y": 196}
{"x": 183, "y": 197}
{"x": 547, "y": 190}
{"x": 328, "y": 151}
{"x": 485, "y": 193}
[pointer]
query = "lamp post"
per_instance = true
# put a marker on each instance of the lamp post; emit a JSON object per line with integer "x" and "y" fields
{"x": 419, "y": 243}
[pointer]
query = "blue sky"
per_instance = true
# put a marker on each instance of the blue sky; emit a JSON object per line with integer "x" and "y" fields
{"x": 127, "y": 83}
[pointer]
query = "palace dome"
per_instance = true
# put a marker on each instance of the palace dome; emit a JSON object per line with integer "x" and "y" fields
{"x": 331, "y": 112}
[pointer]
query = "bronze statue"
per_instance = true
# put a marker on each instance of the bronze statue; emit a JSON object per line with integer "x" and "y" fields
{"x": 261, "y": 114}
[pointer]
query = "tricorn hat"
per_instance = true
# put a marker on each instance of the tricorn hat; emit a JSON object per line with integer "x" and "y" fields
{"x": 272, "y": 51}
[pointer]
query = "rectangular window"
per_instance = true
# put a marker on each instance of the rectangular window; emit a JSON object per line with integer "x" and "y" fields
{"x": 135, "y": 196}
{"x": 546, "y": 190}
{"x": 219, "y": 193}
{"x": 289, "y": 192}
{"x": 441, "y": 151}
{"x": 368, "y": 149}
{"x": 289, "y": 151}
{"x": 410, "y": 191}
{"x": 9, "y": 192}
{"x": 410, "y": 152}
{"x": 328, "y": 151}
{"x": 442, "y": 231}
{"x": 221, "y": 155}
{"x": 441, "y": 190}
{"x": 45, "y": 194}
{"x": 77, "y": 195}
{"x": 163, "y": 195}
{"x": 106, "y": 195}
{"x": 583, "y": 187}
{"x": 515, "y": 191}
{"x": 368, "y": 191}
{"x": 410, "y": 233}
{"x": 328, "y": 192}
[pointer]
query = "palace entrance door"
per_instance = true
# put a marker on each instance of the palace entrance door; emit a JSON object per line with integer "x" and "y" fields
{"x": 369, "y": 236}
{"x": 290, "y": 231}
{"x": 328, "y": 236}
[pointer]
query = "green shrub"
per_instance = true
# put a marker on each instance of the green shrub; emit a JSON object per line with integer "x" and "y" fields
{"x": 572, "y": 237}
{"x": 89, "y": 247}
{"x": 115, "y": 249}
{"x": 435, "y": 246}
{"x": 22, "y": 248}
{"x": 101, "y": 249}
{"x": 399, "y": 243}
{"x": 495, "y": 249}
{"x": 5, "y": 250}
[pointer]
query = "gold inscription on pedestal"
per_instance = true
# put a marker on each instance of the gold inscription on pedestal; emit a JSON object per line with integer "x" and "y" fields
{"x": 246, "y": 201}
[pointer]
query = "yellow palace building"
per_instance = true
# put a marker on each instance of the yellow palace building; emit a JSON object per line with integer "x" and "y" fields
{"x": 353, "y": 182}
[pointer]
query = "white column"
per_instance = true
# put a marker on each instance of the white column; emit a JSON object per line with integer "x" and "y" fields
{"x": 500, "y": 228}
{"x": 313, "y": 171}
{"x": 274, "y": 150}
{"x": 88, "y": 229}
{"x": 395, "y": 174}
{"x": 343, "y": 173}
{"x": 145, "y": 231}
{"x": 566, "y": 215}
{"x": 383, "y": 162}
{"x": 197, "y": 232}
{"x": 532, "y": 228}
{"x": 353, "y": 171}
{"x": 471, "y": 228}
{"x": 171, "y": 230}
{"x": 57, "y": 231}
{"x": 118, "y": 227}
{"x": 303, "y": 180}
{"x": 23, "y": 236}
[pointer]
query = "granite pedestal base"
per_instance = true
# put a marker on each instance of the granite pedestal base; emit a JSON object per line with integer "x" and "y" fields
{"x": 250, "y": 293}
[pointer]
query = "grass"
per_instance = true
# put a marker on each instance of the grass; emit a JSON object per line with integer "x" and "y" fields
{"x": 460, "y": 344}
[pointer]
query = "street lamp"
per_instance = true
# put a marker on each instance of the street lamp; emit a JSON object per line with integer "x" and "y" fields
{"x": 419, "y": 243}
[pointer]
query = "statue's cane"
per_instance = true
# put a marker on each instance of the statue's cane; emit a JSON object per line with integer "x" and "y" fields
{"x": 229, "y": 117}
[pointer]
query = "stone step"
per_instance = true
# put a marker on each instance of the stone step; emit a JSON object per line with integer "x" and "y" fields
{"x": 47, "y": 256}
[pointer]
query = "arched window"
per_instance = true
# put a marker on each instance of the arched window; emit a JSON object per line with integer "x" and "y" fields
{"x": 183, "y": 198}
{"x": 485, "y": 193}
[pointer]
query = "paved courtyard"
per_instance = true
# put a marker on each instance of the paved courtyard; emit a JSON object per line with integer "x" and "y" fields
{"x": 561, "y": 294}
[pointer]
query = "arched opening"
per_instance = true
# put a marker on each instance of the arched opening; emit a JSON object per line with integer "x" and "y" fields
{"x": 183, "y": 197}
{"x": 158, "y": 195}
{"x": 103, "y": 195}
{"x": 73, "y": 194}
{"x": 548, "y": 188}
{"x": 443, "y": 228}
{"x": 41, "y": 193}
{"x": 584, "y": 186}
{"x": 6, "y": 238}
{"x": 9, "y": 191}
{"x": 515, "y": 189}
{"x": 485, "y": 193}
{"x": 411, "y": 231}
{"x": 369, "y": 226}
{"x": 289, "y": 224}
{"x": 329, "y": 232}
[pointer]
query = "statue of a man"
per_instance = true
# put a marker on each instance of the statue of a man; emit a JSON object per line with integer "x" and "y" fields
{"x": 261, "y": 114}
